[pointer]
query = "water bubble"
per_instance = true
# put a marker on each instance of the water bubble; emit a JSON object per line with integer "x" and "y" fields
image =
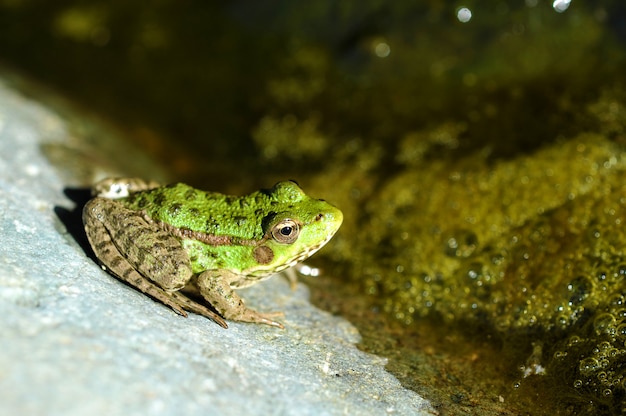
{"x": 461, "y": 244}
{"x": 573, "y": 340}
{"x": 579, "y": 289}
{"x": 463, "y": 14}
{"x": 497, "y": 259}
{"x": 451, "y": 247}
{"x": 617, "y": 300}
{"x": 382, "y": 49}
{"x": 474, "y": 271}
{"x": 588, "y": 366}
{"x": 560, "y": 6}
{"x": 562, "y": 322}
{"x": 604, "y": 324}
{"x": 578, "y": 384}
{"x": 604, "y": 346}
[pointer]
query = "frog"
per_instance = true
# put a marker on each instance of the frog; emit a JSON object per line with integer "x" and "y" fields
{"x": 192, "y": 249}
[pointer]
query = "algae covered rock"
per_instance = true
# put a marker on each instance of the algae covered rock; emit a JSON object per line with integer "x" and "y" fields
{"x": 482, "y": 227}
{"x": 531, "y": 249}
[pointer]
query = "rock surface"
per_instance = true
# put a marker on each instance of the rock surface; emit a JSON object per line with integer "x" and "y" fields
{"x": 76, "y": 341}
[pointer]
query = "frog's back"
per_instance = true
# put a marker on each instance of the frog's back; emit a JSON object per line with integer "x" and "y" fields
{"x": 184, "y": 207}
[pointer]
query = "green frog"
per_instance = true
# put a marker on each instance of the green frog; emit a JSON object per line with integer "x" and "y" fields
{"x": 181, "y": 245}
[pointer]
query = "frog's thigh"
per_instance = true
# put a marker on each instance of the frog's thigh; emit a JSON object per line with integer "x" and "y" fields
{"x": 109, "y": 256}
{"x": 215, "y": 289}
{"x": 151, "y": 251}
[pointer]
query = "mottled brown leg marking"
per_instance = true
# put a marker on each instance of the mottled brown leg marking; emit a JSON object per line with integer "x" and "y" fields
{"x": 110, "y": 256}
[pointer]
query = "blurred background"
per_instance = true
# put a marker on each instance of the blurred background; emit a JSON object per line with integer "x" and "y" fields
{"x": 292, "y": 86}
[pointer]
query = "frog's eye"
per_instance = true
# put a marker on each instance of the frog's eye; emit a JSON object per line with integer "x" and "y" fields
{"x": 286, "y": 231}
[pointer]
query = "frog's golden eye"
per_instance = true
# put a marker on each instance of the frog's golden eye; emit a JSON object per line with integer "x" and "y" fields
{"x": 286, "y": 231}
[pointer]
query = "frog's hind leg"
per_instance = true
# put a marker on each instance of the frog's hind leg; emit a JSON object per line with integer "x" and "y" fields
{"x": 149, "y": 252}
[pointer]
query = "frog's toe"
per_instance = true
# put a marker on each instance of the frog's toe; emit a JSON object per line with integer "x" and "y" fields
{"x": 266, "y": 318}
{"x": 275, "y": 323}
{"x": 180, "y": 311}
{"x": 183, "y": 301}
{"x": 268, "y": 321}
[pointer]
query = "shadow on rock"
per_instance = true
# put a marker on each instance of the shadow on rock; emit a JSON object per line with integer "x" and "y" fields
{"x": 72, "y": 219}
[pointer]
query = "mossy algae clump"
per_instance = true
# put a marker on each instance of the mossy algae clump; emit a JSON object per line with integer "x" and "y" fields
{"x": 531, "y": 248}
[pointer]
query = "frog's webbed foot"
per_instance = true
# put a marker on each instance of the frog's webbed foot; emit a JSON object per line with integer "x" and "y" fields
{"x": 215, "y": 289}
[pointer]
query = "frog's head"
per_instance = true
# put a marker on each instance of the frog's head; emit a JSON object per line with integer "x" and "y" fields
{"x": 296, "y": 227}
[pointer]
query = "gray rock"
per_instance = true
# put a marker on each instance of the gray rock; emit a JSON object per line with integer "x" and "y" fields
{"x": 76, "y": 341}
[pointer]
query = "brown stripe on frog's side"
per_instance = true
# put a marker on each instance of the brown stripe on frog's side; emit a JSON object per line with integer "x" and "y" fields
{"x": 210, "y": 239}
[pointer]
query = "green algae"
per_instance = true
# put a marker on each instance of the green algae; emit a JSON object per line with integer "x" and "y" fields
{"x": 488, "y": 225}
{"x": 530, "y": 250}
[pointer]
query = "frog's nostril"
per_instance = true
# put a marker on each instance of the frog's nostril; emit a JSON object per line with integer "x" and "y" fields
{"x": 319, "y": 217}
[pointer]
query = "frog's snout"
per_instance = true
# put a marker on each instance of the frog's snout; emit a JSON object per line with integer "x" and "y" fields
{"x": 332, "y": 218}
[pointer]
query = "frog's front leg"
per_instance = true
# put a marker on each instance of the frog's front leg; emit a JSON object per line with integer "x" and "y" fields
{"x": 138, "y": 252}
{"x": 214, "y": 287}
